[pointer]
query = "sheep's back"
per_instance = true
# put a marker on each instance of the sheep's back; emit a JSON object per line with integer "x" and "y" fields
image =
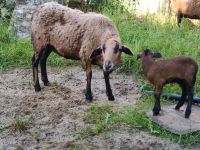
{"x": 187, "y": 7}
{"x": 70, "y": 30}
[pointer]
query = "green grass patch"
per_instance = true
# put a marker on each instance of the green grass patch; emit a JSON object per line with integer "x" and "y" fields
{"x": 105, "y": 117}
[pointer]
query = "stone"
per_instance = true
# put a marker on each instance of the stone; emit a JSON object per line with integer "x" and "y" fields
{"x": 175, "y": 121}
{"x": 4, "y": 12}
{"x": 21, "y": 17}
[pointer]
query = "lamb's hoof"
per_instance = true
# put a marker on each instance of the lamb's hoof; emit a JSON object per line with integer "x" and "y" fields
{"x": 178, "y": 106}
{"x": 37, "y": 88}
{"x": 88, "y": 98}
{"x": 155, "y": 113}
{"x": 47, "y": 83}
{"x": 111, "y": 98}
{"x": 187, "y": 114}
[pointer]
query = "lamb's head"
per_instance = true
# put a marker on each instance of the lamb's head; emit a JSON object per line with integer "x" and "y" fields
{"x": 111, "y": 52}
{"x": 147, "y": 53}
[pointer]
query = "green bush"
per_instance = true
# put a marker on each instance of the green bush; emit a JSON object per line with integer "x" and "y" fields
{"x": 9, "y": 6}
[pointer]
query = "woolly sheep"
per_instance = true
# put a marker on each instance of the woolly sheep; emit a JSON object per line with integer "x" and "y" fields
{"x": 181, "y": 70}
{"x": 89, "y": 37}
{"x": 186, "y": 8}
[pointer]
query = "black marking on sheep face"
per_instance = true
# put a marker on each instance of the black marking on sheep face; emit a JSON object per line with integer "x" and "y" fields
{"x": 104, "y": 48}
{"x": 96, "y": 53}
{"x": 116, "y": 49}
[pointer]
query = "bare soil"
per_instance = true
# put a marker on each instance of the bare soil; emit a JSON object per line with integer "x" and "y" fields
{"x": 54, "y": 116}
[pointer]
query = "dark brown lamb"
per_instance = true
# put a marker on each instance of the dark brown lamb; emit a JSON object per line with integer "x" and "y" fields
{"x": 181, "y": 70}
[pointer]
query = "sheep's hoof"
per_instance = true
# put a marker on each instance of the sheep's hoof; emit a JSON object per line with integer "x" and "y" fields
{"x": 111, "y": 98}
{"x": 88, "y": 98}
{"x": 187, "y": 114}
{"x": 177, "y": 108}
{"x": 37, "y": 88}
{"x": 47, "y": 83}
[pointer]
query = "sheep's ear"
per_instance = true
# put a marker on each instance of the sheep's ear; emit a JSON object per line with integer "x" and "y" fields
{"x": 157, "y": 55}
{"x": 127, "y": 50}
{"x": 95, "y": 53}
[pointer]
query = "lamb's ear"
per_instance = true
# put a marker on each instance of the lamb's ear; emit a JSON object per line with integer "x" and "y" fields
{"x": 95, "y": 53}
{"x": 138, "y": 56}
{"x": 126, "y": 50}
{"x": 157, "y": 55}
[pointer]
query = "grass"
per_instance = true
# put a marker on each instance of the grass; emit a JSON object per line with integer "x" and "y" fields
{"x": 105, "y": 117}
{"x": 155, "y": 32}
{"x": 159, "y": 34}
{"x": 19, "y": 124}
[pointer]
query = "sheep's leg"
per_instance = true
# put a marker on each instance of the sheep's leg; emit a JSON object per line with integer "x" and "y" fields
{"x": 88, "y": 94}
{"x": 183, "y": 96}
{"x": 35, "y": 62}
{"x": 189, "y": 105}
{"x": 43, "y": 60}
{"x": 179, "y": 18}
{"x": 157, "y": 94}
{"x": 108, "y": 88}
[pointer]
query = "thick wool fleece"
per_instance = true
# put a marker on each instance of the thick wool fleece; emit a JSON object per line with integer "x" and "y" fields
{"x": 71, "y": 32}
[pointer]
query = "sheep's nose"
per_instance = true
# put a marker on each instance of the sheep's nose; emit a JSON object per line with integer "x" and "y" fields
{"x": 108, "y": 66}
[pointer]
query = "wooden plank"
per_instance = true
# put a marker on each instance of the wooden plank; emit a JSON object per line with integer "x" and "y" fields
{"x": 175, "y": 122}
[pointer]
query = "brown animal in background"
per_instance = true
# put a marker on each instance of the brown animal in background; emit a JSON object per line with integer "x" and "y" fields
{"x": 89, "y": 37}
{"x": 187, "y": 9}
{"x": 181, "y": 70}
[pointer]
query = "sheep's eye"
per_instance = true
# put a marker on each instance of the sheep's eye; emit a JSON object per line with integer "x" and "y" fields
{"x": 116, "y": 49}
{"x": 104, "y": 48}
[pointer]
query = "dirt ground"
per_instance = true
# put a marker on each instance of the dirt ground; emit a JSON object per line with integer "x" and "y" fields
{"x": 56, "y": 113}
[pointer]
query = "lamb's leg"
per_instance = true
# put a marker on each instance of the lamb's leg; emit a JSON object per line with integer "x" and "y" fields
{"x": 183, "y": 96}
{"x": 35, "y": 62}
{"x": 88, "y": 94}
{"x": 157, "y": 94}
{"x": 189, "y": 105}
{"x": 108, "y": 88}
{"x": 43, "y": 60}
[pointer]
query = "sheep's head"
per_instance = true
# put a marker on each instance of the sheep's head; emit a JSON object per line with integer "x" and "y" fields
{"x": 111, "y": 53}
{"x": 148, "y": 53}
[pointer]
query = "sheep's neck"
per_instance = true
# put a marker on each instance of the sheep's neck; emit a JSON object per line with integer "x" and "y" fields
{"x": 146, "y": 63}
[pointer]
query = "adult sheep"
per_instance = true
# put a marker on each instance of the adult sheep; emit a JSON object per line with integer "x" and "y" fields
{"x": 89, "y": 37}
{"x": 187, "y": 9}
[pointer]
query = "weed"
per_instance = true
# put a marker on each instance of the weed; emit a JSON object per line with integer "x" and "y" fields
{"x": 130, "y": 115}
{"x": 19, "y": 124}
